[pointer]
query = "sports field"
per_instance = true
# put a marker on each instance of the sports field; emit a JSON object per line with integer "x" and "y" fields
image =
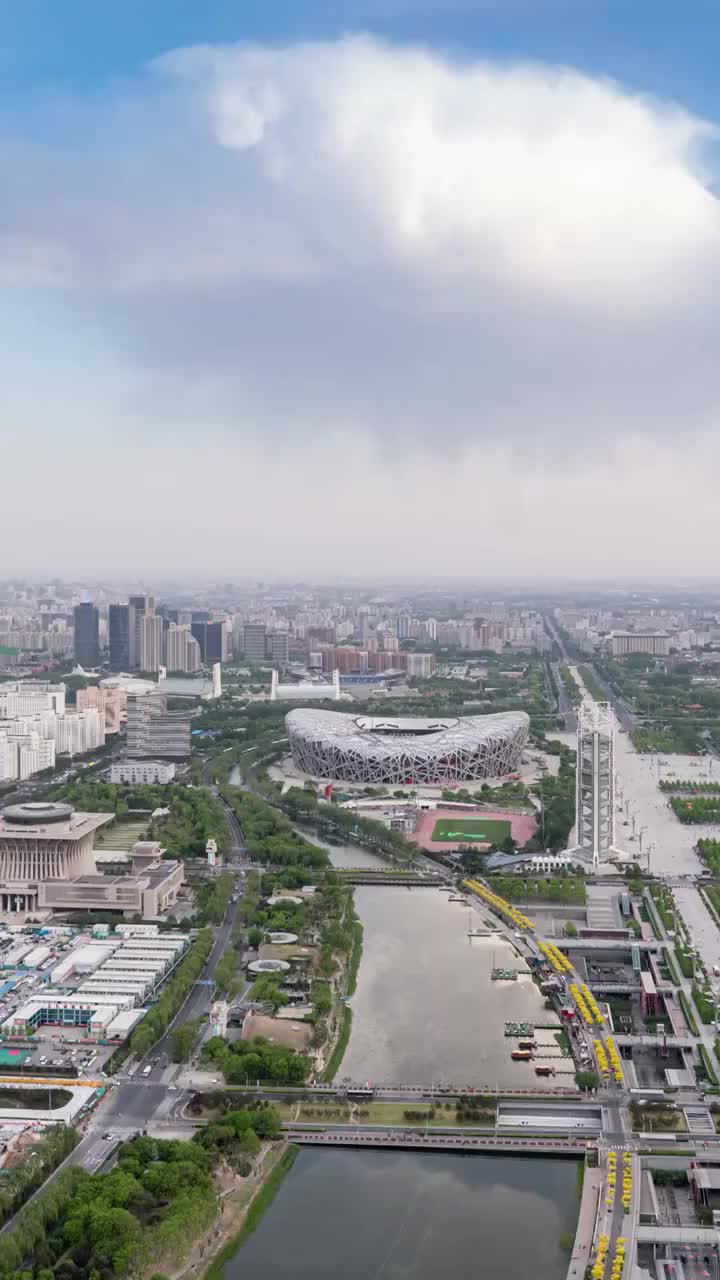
{"x": 465, "y": 830}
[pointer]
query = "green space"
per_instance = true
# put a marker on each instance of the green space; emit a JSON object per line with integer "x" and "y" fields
{"x": 557, "y": 799}
{"x": 595, "y": 690}
{"x": 19, "y": 1181}
{"x": 493, "y": 831}
{"x": 678, "y": 711}
{"x": 704, "y": 1002}
{"x": 688, "y": 786}
{"x": 712, "y": 892}
{"x": 567, "y": 889}
{"x": 657, "y": 1117}
{"x": 175, "y": 993}
{"x": 691, "y": 809}
{"x": 148, "y": 1210}
{"x": 664, "y": 903}
{"x": 246, "y": 1061}
{"x": 571, "y": 685}
{"x": 689, "y": 1015}
{"x": 195, "y": 814}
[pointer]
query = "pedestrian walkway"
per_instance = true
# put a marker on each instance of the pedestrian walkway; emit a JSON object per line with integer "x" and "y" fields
{"x": 584, "y": 1235}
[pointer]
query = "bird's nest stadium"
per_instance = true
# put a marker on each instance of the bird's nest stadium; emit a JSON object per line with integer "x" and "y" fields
{"x": 332, "y": 744}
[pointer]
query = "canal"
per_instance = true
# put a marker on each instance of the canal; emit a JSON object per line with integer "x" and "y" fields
{"x": 409, "y": 1216}
{"x": 426, "y": 1008}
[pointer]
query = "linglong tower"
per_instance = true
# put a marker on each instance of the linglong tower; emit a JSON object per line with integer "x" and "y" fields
{"x": 595, "y": 782}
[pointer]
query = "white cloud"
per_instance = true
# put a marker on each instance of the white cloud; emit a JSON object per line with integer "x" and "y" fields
{"x": 537, "y": 177}
{"x": 351, "y": 268}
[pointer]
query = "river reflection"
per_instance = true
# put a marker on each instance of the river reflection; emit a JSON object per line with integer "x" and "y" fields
{"x": 410, "y": 1216}
{"x": 426, "y": 1008}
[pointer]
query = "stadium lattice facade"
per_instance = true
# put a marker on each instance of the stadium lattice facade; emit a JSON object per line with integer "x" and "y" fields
{"x": 331, "y": 744}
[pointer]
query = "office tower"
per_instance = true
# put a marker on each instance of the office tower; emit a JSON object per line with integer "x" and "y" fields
{"x": 254, "y": 641}
{"x": 595, "y": 782}
{"x": 182, "y": 651}
{"x": 138, "y": 606}
{"x": 153, "y": 731}
{"x": 119, "y": 636}
{"x": 87, "y": 634}
{"x": 279, "y": 647}
{"x": 212, "y": 638}
{"x": 150, "y": 651}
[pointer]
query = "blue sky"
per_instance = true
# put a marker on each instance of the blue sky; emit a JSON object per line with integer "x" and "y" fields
{"x": 666, "y": 46}
{"x": 476, "y": 252}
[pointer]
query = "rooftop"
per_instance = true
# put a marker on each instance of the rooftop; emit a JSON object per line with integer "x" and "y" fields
{"x": 49, "y": 822}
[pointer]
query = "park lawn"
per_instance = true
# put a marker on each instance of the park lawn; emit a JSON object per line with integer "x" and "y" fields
{"x": 487, "y": 830}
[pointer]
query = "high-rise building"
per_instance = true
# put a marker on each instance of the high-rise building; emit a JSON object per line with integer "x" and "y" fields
{"x": 182, "y": 650}
{"x": 153, "y": 731}
{"x": 138, "y": 607}
{"x": 106, "y": 700}
{"x": 595, "y": 786}
{"x": 150, "y": 649}
{"x": 87, "y": 634}
{"x": 279, "y": 646}
{"x": 119, "y": 636}
{"x": 420, "y": 665}
{"x": 212, "y": 638}
{"x": 255, "y": 641}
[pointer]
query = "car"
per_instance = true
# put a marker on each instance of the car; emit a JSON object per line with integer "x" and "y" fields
{"x": 106, "y": 1135}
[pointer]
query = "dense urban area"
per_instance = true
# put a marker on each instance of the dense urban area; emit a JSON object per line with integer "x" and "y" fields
{"x": 285, "y": 869}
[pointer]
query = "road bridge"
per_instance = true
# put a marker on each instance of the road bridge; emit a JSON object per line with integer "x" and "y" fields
{"x": 414, "y": 1140}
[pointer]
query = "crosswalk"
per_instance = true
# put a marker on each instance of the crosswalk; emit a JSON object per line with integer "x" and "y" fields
{"x": 104, "y": 1144}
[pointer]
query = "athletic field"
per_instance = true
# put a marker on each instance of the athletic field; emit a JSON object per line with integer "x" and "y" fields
{"x": 441, "y": 830}
{"x": 465, "y": 830}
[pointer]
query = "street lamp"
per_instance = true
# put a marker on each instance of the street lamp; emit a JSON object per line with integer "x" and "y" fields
{"x": 641, "y": 834}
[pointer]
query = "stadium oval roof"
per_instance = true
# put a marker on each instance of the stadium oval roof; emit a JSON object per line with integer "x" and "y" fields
{"x": 335, "y": 744}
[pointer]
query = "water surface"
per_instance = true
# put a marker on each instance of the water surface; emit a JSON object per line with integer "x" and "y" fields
{"x": 426, "y": 1008}
{"x": 394, "y": 1215}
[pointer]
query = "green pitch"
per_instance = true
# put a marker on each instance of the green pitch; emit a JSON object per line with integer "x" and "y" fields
{"x": 463, "y": 830}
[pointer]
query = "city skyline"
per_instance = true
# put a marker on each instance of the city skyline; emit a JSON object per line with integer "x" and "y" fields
{"x": 454, "y": 320}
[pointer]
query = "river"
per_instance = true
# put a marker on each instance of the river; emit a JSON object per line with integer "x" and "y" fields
{"x": 377, "y": 1215}
{"x": 426, "y": 1008}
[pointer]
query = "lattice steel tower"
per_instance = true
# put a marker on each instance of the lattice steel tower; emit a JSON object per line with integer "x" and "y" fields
{"x": 595, "y": 782}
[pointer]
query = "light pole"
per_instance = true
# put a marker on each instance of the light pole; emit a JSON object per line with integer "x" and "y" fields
{"x": 651, "y": 846}
{"x": 640, "y": 836}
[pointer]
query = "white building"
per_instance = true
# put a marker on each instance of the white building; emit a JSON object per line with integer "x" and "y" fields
{"x": 182, "y": 651}
{"x": 420, "y": 665}
{"x": 30, "y": 698}
{"x": 136, "y": 772}
{"x": 108, "y": 700}
{"x": 150, "y": 647}
{"x": 655, "y": 643}
{"x": 79, "y": 731}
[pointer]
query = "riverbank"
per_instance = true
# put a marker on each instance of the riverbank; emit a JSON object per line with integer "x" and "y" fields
{"x": 344, "y": 1021}
{"x": 239, "y": 1213}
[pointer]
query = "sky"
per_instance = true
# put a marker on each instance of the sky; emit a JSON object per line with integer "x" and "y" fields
{"x": 360, "y": 288}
